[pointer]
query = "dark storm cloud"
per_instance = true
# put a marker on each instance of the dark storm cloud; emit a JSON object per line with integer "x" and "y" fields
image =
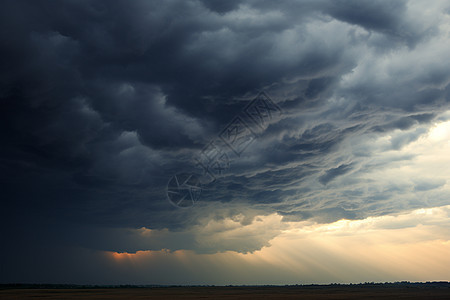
{"x": 221, "y": 6}
{"x": 378, "y": 16}
{"x": 102, "y": 102}
{"x": 405, "y": 123}
{"x": 333, "y": 173}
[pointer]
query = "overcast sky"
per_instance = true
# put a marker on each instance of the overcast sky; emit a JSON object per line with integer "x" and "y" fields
{"x": 347, "y": 178}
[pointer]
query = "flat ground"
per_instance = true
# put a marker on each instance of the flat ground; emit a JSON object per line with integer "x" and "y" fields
{"x": 287, "y": 292}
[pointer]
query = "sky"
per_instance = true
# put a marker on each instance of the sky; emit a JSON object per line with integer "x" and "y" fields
{"x": 224, "y": 142}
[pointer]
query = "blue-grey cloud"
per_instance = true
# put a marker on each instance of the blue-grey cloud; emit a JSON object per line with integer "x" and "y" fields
{"x": 103, "y": 102}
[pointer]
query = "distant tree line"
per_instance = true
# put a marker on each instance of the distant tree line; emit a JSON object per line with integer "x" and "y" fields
{"x": 428, "y": 284}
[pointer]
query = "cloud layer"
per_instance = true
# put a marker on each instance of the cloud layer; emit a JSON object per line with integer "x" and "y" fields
{"x": 103, "y": 102}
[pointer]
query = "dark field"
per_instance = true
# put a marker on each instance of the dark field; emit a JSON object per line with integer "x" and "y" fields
{"x": 257, "y": 292}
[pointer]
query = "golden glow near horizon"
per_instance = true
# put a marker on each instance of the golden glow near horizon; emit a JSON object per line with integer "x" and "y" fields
{"x": 413, "y": 245}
